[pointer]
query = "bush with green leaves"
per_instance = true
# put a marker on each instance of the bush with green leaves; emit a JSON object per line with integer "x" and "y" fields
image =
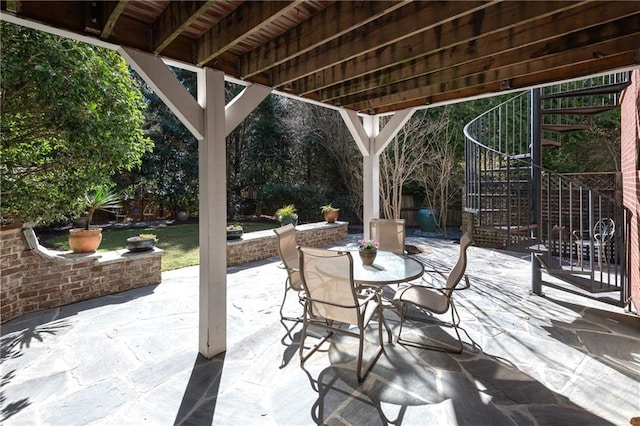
{"x": 71, "y": 117}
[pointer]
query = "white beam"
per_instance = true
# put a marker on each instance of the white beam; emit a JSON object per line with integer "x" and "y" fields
{"x": 212, "y": 335}
{"x": 245, "y": 102}
{"x": 371, "y": 174}
{"x": 157, "y": 75}
{"x": 371, "y": 143}
{"x": 356, "y": 129}
{"x": 391, "y": 129}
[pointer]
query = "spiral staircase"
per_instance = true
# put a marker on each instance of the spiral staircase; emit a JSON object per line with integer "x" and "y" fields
{"x": 512, "y": 202}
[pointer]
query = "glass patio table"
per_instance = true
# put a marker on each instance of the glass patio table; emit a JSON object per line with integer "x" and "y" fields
{"x": 388, "y": 268}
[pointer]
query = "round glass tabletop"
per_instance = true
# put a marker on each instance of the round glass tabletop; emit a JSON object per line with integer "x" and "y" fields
{"x": 387, "y": 268}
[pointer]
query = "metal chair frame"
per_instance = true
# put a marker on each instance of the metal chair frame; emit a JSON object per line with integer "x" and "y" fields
{"x": 437, "y": 300}
{"x": 288, "y": 251}
{"x": 334, "y": 300}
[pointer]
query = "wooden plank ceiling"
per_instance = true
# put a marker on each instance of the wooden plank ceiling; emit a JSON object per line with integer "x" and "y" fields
{"x": 369, "y": 56}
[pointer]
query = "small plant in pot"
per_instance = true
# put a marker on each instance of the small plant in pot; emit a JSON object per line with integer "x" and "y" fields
{"x": 141, "y": 242}
{"x": 330, "y": 213}
{"x": 234, "y": 231}
{"x": 88, "y": 239}
{"x": 287, "y": 214}
{"x": 368, "y": 249}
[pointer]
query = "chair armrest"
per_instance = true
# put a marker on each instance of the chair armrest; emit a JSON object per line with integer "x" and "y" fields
{"x": 400, "y": 292}
{"x": 583, "y": 234}
{"x": 283, "y": 266}
{"x": 467, "y": 284}
{"x": 441, "y": 277}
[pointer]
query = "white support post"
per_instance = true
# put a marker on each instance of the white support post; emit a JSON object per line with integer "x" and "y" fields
{"x": 371, "y": 143}
{"x": 212, "y": 336}
{"x": 371, "y": 174}
{"x": 210, "y": 122}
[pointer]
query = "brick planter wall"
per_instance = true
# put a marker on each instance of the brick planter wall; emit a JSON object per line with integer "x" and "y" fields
{"x": 263, "y": 244}
{"x": 34, "y": 278}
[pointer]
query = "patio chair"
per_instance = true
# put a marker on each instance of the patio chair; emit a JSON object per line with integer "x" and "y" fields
{"x": 332, "y": 300}
{"x": 287, "y": 248}
{"x": 435, "y": 300}
{"x": 149, "y": 212}
{"x": 121, "y": 216}
{"x": 603, "y": 233}
{"x": 390, "y": 234}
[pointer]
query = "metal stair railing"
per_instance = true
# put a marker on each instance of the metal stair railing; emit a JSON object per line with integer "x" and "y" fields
{"x": 498, "y": 193}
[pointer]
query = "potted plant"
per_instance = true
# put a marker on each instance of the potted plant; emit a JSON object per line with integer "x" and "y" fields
{"x": 330, "y": 213}
{"x": 141, "y": 242}
{"x": 87, "y": 239}
{"x": 287, "y": 214}
{"x": 234, "y": 231}
{"x": 368, "y": 249}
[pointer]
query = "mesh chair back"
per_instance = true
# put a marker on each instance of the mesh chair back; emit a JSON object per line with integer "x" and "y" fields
{"x": 390, "y": 234}
{"x": 461, "y": 265}
{"x": 327, "y": 276}
{"x": 604, "y": 230}
{"x": 288, "y": 250}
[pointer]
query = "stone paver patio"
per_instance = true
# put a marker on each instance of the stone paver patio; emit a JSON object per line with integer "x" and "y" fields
{"x": 132, "y": 359}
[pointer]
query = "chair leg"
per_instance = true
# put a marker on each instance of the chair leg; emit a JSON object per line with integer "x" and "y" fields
{"x": 360, "y": 373}
{"x": 284, "y": 299}
{"x": 303, "y": 337}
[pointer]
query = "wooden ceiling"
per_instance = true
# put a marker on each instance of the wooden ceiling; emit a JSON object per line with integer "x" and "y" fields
{"x": 369, "y": 56}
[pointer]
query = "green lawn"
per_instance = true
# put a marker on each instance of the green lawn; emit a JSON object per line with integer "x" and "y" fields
{"x": 179, "y": 242}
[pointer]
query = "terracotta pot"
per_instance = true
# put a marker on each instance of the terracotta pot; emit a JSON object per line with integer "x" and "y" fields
{"x": 85, "y": 241}
{"x": 368, "y": 256}
{"x": 331, "y": 215}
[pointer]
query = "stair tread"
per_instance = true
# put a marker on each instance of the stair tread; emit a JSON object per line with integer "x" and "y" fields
{"x": 504, "y": 169}
{"x": 584, "y": 110}
{"x": 508, "y": 228}
{"x": 549, "y": 142}
{"x": 530, "y": 246}
{"x": 600, "y": 90}
{"x": 565, "y": 127}
{"x": 517, "y": 156}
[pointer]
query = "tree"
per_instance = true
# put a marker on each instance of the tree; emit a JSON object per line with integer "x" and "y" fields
{"x": 330, "y": 156}
{"x": 406, "y": 155}
{"x": 441, "y": 174}
{"x": 71, "y": 116}
{"x": 169, "y": 173}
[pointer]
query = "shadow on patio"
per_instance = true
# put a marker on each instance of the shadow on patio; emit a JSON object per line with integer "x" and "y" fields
{"x": 558, "y": 359}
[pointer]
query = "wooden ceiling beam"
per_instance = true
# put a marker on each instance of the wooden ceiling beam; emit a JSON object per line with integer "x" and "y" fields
{"x": 412, "y": 19}
{"x": 504, "y": 77}
{"x": 335, "y": 21}
{"x": 494, "y": 88}
{"x": 502, "y": 19}
{"x": 112, "y": 11}
{"x": 495, "y": 81}
{"x": 174, "y": 20}
{"x": 240, "y": 24}
{"x": 510, "y": 46}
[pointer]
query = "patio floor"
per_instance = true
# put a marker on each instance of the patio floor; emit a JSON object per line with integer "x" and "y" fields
{"x": 132, "y": 358}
